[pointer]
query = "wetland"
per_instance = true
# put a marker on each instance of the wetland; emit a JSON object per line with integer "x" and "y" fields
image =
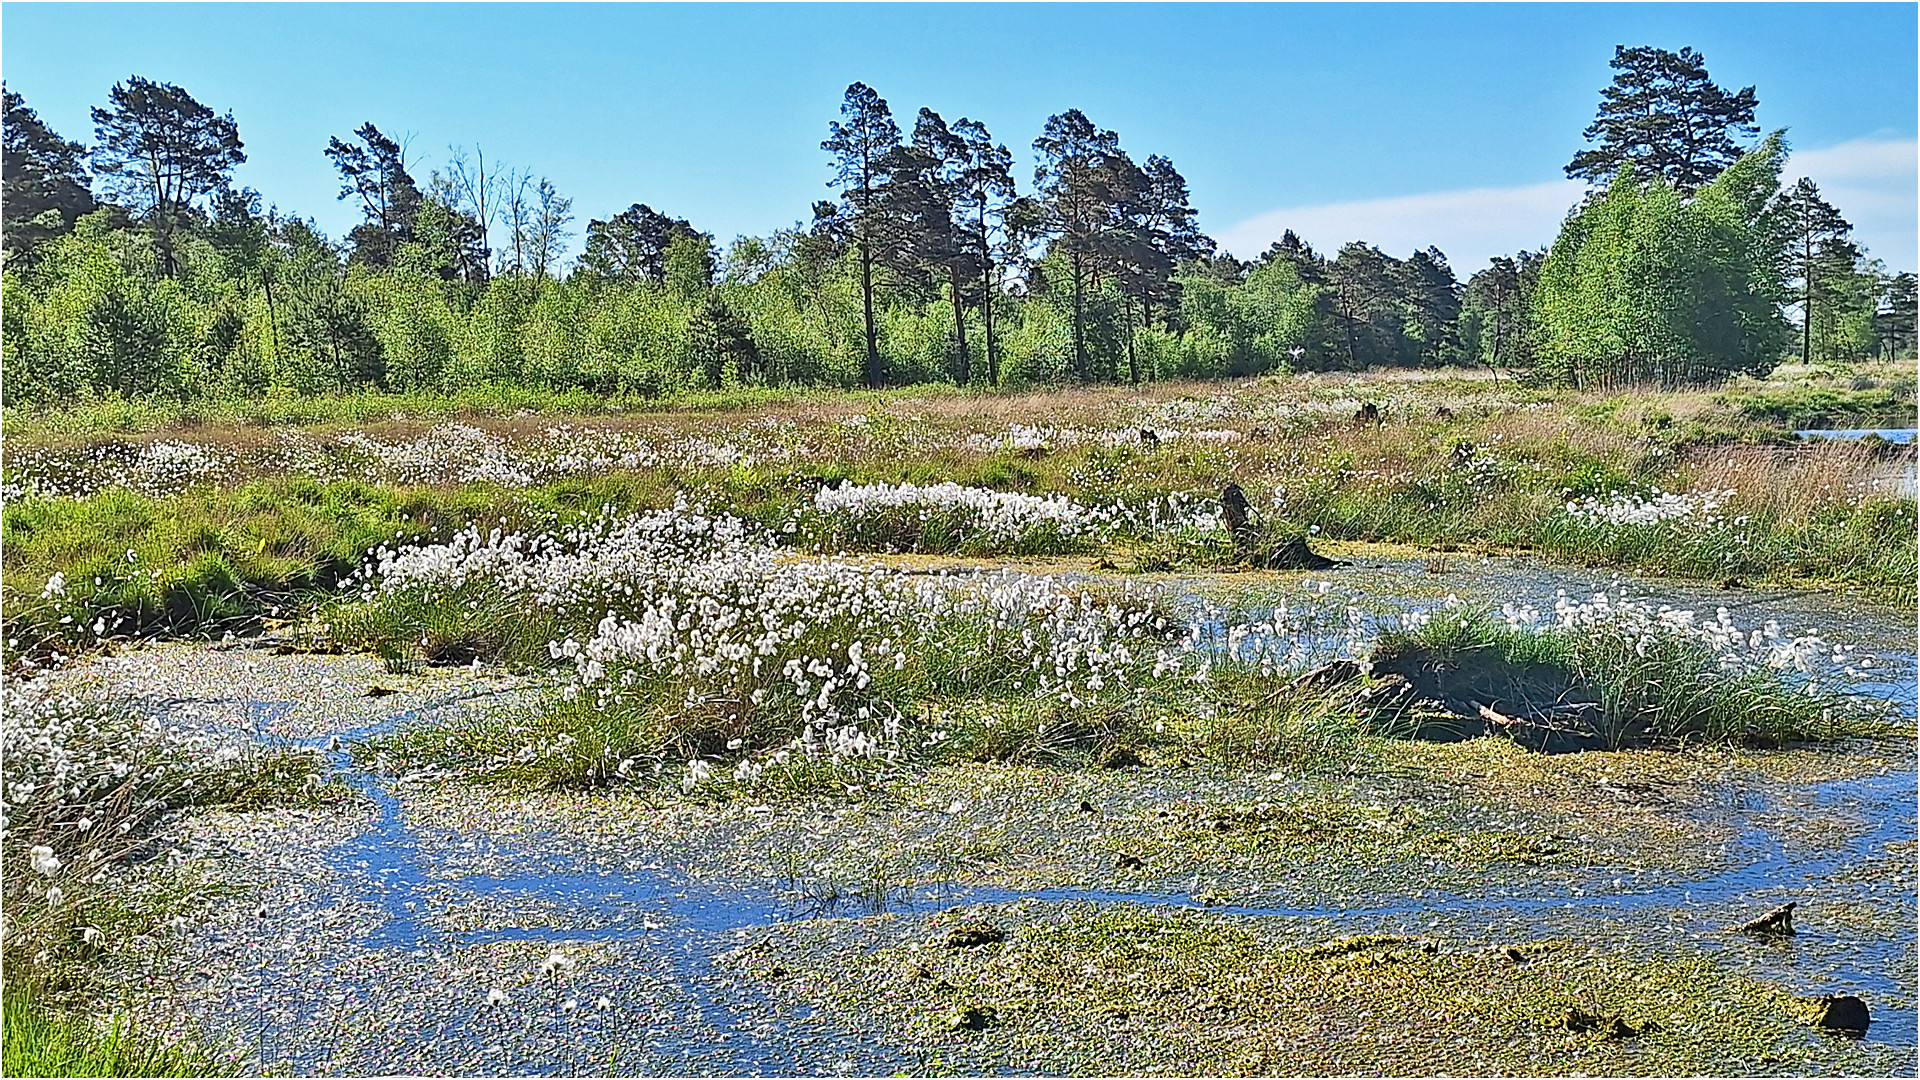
{"x": 964, "y": 736}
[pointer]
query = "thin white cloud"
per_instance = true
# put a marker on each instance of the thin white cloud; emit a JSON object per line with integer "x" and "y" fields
{"x": 1875, "y": 183}
{"x": 1470, "y": 226}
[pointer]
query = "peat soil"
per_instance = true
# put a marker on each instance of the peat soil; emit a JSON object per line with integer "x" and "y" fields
{"x": 422, "y": 925}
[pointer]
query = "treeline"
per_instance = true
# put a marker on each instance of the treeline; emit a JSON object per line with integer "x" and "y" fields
{"x": 1683, "y": 264}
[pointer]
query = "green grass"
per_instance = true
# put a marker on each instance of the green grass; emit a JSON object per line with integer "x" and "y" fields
{"x": 1800, "y": 407}
{"x": 1638, "y": 685}
{"x": 206, "y": 560}
{"x": 209, "y": 561}
{"x": 43, "y": 1041}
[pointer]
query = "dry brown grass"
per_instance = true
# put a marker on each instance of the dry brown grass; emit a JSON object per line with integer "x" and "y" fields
{"x": 1793, "y": 482}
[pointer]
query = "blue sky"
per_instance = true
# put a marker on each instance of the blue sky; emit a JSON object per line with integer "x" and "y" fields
{"x": 1403, "y": 125}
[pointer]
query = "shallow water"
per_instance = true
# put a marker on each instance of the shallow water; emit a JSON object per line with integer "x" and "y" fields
{"x": 661, "y": 926}
{"x": 701, "y": 920}
{"x": 1897, "y": 477}
{"x": 1892, "y": 435}
{"x": 664, "y": 910}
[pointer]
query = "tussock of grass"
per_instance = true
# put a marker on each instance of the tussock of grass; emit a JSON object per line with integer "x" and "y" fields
{"x": 42, "y": 1041}
{"x": 1622, "y": 684}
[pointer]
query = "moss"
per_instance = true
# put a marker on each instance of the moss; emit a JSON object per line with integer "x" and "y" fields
{"x": 1124, "y": 989}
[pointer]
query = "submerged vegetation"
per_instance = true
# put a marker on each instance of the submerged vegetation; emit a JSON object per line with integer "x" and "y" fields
{"x": 1100, "y": 988}
{"x": 976, "y": 624}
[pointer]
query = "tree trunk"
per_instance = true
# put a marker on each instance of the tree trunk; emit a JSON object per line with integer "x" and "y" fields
{"x": 989, "y": 278}
{"x": 273, "y": 331}
{"x": 964, "y": 372}
{"x": 866, "y": 306}
{"x": 1347, "y": 321}
{"x": 1806, "y": 309}
{"x": 1133, "y": 363}
{"x": 1079, "y": 320}
{"x": 993, "y": 347}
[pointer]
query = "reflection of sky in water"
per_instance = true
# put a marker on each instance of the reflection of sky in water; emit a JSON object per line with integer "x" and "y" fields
{"x": 662, "y": 908}
{"x": 1893, "y": 435}
{"x": 1383, "y": 590}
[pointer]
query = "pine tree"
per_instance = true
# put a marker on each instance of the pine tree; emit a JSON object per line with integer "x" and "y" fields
{"x": 1074, "y": 205}
{"x": 986, "y": 189}
{"x": 1818, "y": 252}
{"x": 161, "y": 150}
{"x": 929, "y": 187}
{"x": 40, "y": 175}
{"x": 376, "y": 173}
{"x": 632, "y": 245}
{"x": 860, "y": 146}
{"x": 1894, "y": 319}
{"x": 1664, "y": 116}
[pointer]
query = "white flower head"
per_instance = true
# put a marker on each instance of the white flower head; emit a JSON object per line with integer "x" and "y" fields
{"x": 556, "y": 963}
{"x": 42, "y": 859}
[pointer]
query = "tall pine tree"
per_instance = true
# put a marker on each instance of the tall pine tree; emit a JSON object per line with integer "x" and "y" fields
{"x": 161, "y": 150}
{"x": 375, "y": 172}
{"x": 1665, "y": 117}
{"x": 1818, "y": 253}
{"x": 860, "y": 147}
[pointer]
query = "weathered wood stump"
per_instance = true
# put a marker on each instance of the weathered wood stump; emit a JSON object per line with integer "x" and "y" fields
{"x": 1779, "y": 922}
{"x": 1233, "y": 507}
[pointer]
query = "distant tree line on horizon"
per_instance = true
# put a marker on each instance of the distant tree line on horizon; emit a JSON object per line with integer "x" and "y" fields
{"x": 1687, "y": 262}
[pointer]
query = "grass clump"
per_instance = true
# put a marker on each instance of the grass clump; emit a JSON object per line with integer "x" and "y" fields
{"x": 89, "y": 785}
{"x": 1804, "y": 407}
{"x": 684, "y": 642}
{"x": 118, "y": 564}
{"x": 44, "y": 1041}
{"x": 1612, "y": 672}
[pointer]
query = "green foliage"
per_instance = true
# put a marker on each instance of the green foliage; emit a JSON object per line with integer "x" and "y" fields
{"x": 1664, "y": 117}
{"x": 1644, "y": 284}
{"x": 1651, "y": 683}
{"x": 43, "y": 184}
{"x": 43, "y": 1041}
{"x": 1674, "y": 272}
